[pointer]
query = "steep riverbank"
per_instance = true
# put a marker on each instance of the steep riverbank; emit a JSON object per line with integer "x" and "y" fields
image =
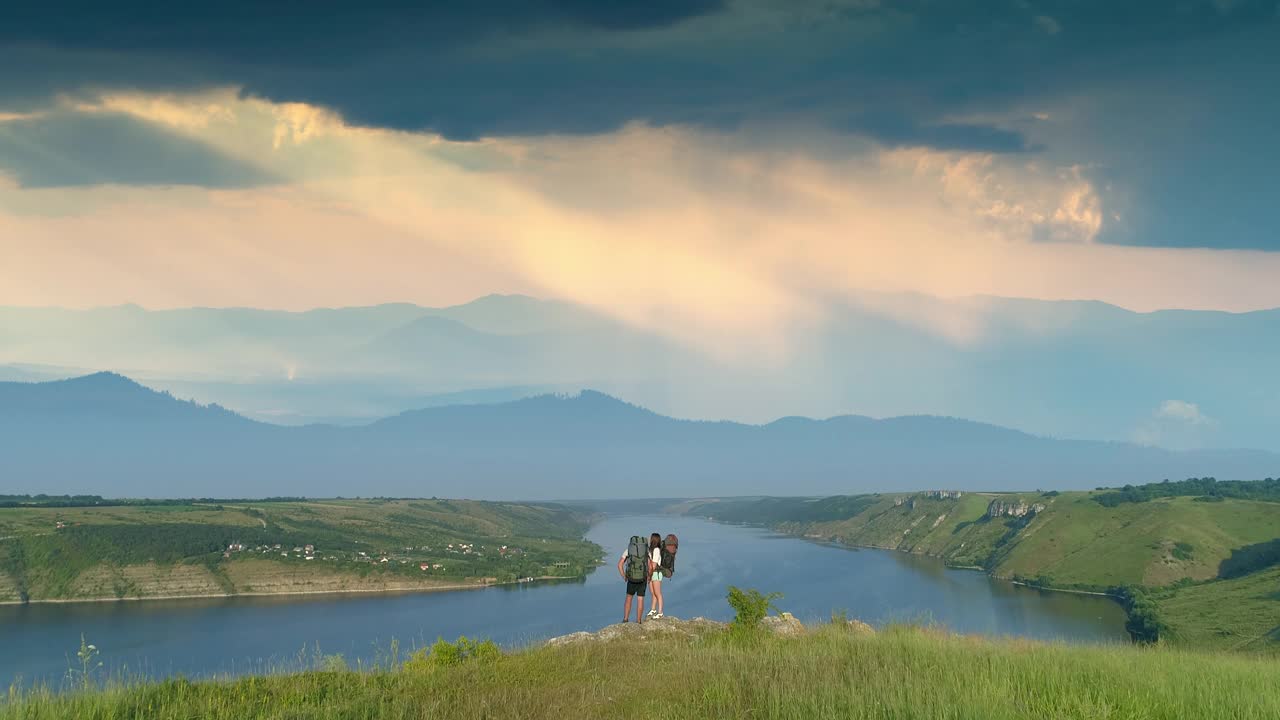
{"x": 1145, "y": 552}
{"x": 164, "y": 550}
{"x": 342, "y": 588}
{"x": 977, "y": 568}
{"x": 443, "y": 587}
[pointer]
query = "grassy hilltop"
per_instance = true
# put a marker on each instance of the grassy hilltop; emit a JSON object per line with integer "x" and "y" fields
{"x": 140, "y": 549}
{"x": 1204, "y": 553}
{"x": 828, "y": 672}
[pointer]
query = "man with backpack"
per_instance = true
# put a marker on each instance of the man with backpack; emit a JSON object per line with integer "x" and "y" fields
{"x": 636, "y": 567}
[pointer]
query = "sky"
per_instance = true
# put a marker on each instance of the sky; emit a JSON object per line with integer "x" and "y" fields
{"x": 720, "y": 170}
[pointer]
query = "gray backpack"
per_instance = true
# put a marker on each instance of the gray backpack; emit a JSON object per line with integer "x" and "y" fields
{"x": 637, "y": 567}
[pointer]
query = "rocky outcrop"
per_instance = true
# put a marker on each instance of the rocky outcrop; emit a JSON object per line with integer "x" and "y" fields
{"x": 784, "y": 624}
{"x": 999, "y": 508}
{"x": 931, "y": 494}
{"x": 666, "y": 627}
{"x": 859, "y": 627}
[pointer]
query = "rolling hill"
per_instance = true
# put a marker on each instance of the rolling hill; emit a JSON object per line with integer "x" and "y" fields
{"x": 1178, "y": 549}
{"x": 105, "y": 434}
{"x": 1065, "y": 540}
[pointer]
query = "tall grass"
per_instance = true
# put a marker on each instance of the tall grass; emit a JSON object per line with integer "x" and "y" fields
{"x": 831, "y": 672}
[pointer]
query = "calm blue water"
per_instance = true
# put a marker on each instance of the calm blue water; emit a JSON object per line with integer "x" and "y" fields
{"x": 244, "y": 635}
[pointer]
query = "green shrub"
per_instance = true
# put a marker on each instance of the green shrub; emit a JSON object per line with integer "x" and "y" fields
{"x": 750, "y": 606}
{"x": 443, "y": 653}
{"x": 1144, "y": 623}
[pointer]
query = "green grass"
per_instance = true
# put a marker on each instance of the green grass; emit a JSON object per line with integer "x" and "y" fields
{"x": 831, "y": 672}
{"x": 1238, "y": 614}
{"x": 1080, "y": 543}
{"x": 1074, "y": 543}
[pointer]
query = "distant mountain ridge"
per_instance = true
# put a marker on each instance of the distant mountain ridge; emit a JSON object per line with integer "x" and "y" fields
{"x": 104, "y": 395}
{"x": 1174, "y": 378}
{"x": 105, "y": 434}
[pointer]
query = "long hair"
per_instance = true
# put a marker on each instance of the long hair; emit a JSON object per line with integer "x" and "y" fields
{"x": 655, "y": 541}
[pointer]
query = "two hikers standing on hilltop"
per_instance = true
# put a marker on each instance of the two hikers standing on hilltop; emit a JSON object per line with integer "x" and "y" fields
{"x": 644, "y": 566}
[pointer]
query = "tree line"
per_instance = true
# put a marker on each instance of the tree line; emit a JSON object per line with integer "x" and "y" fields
{"x": 775, "y": 510}
{"x": 1207, "y": 489}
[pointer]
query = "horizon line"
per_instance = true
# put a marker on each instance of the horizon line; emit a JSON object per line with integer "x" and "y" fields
{"x": 129, "y": 305}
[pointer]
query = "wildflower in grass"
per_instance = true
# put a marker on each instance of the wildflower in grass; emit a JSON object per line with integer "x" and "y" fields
{"x": 87, "y": 656}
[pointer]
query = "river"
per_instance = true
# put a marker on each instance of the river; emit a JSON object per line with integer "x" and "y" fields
{"x": 226, "y": 636}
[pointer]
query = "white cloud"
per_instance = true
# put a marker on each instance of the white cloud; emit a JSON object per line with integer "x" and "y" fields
{"x": 1183, "y": 411}
{"x": 185, "y": 112}
{"x": 1176, "y": 424}
{"x": 17, "y": 116}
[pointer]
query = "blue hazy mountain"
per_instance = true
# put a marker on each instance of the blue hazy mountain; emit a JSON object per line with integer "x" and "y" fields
{"x": 103, "y": 397}
{"x": 105, "y": 434}
{"x": 1181, "y": 379}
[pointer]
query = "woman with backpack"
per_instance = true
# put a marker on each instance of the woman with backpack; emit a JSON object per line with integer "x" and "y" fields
{"x": 655, "y": 575}
{"x": 662, "y": 555}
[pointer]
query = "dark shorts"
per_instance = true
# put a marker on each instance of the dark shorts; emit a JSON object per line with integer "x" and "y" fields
{"x": 636, "y": 588}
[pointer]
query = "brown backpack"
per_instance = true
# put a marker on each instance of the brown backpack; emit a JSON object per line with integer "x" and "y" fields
{"x": 668, "y": 548}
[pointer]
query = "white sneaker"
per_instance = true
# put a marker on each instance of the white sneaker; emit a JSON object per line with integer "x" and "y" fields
{"x": 655, "y": 617}
{"x": 652, "y": 613}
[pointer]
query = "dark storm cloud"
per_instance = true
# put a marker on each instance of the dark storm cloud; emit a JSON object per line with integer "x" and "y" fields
{"x": 902, "y": 72}
{"x": 285, "y": 26}
{"x": 511, "y": 66}
{"x": 536, "y": 66}
{"x": 71, "y": 149}
{"x": 350, "y": 52}
{"x": 898, "y": 131}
